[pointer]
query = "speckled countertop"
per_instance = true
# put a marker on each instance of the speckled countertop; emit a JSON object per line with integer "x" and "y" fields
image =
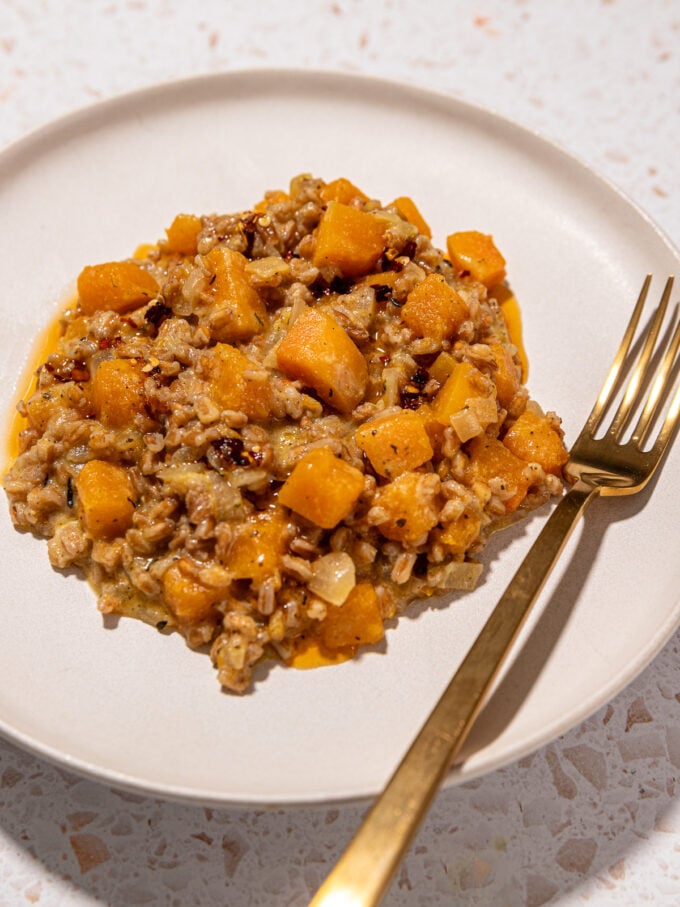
{"x": 594, "y": 817}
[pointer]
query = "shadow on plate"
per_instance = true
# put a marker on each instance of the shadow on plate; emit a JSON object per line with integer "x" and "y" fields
{"x": 529, "y": 661}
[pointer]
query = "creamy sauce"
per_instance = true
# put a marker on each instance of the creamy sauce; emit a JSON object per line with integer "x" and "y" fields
{"x": 309, "y": 653}
{"x": 513, "y": 319}
{"x": 45, "y": 344}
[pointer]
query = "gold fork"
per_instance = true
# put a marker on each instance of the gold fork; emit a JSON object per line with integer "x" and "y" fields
{"x": 610, "y": 465}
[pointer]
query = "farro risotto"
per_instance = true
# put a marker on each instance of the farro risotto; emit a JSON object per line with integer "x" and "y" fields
{"x": 275, "y": 428}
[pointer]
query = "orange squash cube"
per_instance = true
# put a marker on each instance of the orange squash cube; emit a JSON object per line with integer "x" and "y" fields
{"x": 412, "y": 505}
{"x": 461, "y": 533}
{"x": 433, "y": 427}
{"x": 434, "y": 309}
{"x": 534, "y": 440}
{"x": 356, "y": 622}
{"x": 322, "y": 488}
{"x": 341, "y": 190}
{"x": 348, "y": 239}
{"x": 461, "y": 385}
{"x": 396, "y": 443}
{"x": 318, "y": 352}
{"x": 189, "y": 600}
{"x": 507, "y": 374}
{"x": 257, "y": 546}
{"x": 238, "y": 313}
{"x": 105, "y": 499}
{"x": 117, "y": 390}
{"x": 476, "y": 254}
{"x": 238, "y": 384}
{"x": 409, "y": 211}
{"x": 117, "y": 286}
{"x": 490, "y": 459}
{"x": 273, "y": 197}
{"x": 380, "y": 279}
{"x": 143, "y": 250}
{"x": 183, "y": 234}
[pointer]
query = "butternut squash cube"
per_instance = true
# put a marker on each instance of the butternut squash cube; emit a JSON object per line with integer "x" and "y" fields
{"x": 396, "y": 443}
{"x": 238, "y": 384}
{"x": 143, "y": 250}
{"x": 105, "y": 499}
{"x": 273, "y": 197}
{"x": 257, "y": 546}
{"x": 476, "y": 254}
{"x": 238, "y": 312}
{"x": 322, "y": 488}
{"x": 534, "y": 440}
{"x": 356, "y": 622}
{"x": 348, "y": 239}
{"x": 189, "y": 600}
{"x": 507, "y": 374}
{"x": 461, "y": 533}
{"x": 117, "y": 390}
{"x": 490, "y": 459}
{"x": 434, "y": 309}
{"x": 409, "y": 211}
{"x": 412, "y": 505}
{"x": 463, "y": 383}
{"x": 318, "y": 352}
{"x": 117, "y": 286}
{"x": 183, "y": 234}
{"x": 341, "y": 190}
{"x": 380, "y": 279}
{"x": 433, "y": 427}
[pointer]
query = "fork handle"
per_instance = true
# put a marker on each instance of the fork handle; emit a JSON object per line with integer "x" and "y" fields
{"x": 363, "y": 873}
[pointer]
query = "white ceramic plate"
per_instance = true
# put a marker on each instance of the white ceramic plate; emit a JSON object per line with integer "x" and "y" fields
{"x": 133, "y": 708}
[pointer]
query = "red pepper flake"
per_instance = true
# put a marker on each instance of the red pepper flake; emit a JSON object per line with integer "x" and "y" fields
{"x": 106, "y": 343}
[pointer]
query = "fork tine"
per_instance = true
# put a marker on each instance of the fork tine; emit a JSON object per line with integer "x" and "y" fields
{"x": 656, "y": 394}
{"x": 634, "y": 384}
{"x": 671, "y": 422}
{"x": 610, "y": 381}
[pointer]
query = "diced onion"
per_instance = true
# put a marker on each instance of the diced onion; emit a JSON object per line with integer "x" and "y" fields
{"x": 477, "y": 413}
{"x": 484, "y": 408}
{"x": 192, "y": 288}
{"x": 333, "y": 577}
{"x": 466, "y": 424}
{"x": 268, "y": 271}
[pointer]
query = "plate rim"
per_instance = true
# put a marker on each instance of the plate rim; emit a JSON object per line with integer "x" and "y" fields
{"x": 452, "y": 105}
